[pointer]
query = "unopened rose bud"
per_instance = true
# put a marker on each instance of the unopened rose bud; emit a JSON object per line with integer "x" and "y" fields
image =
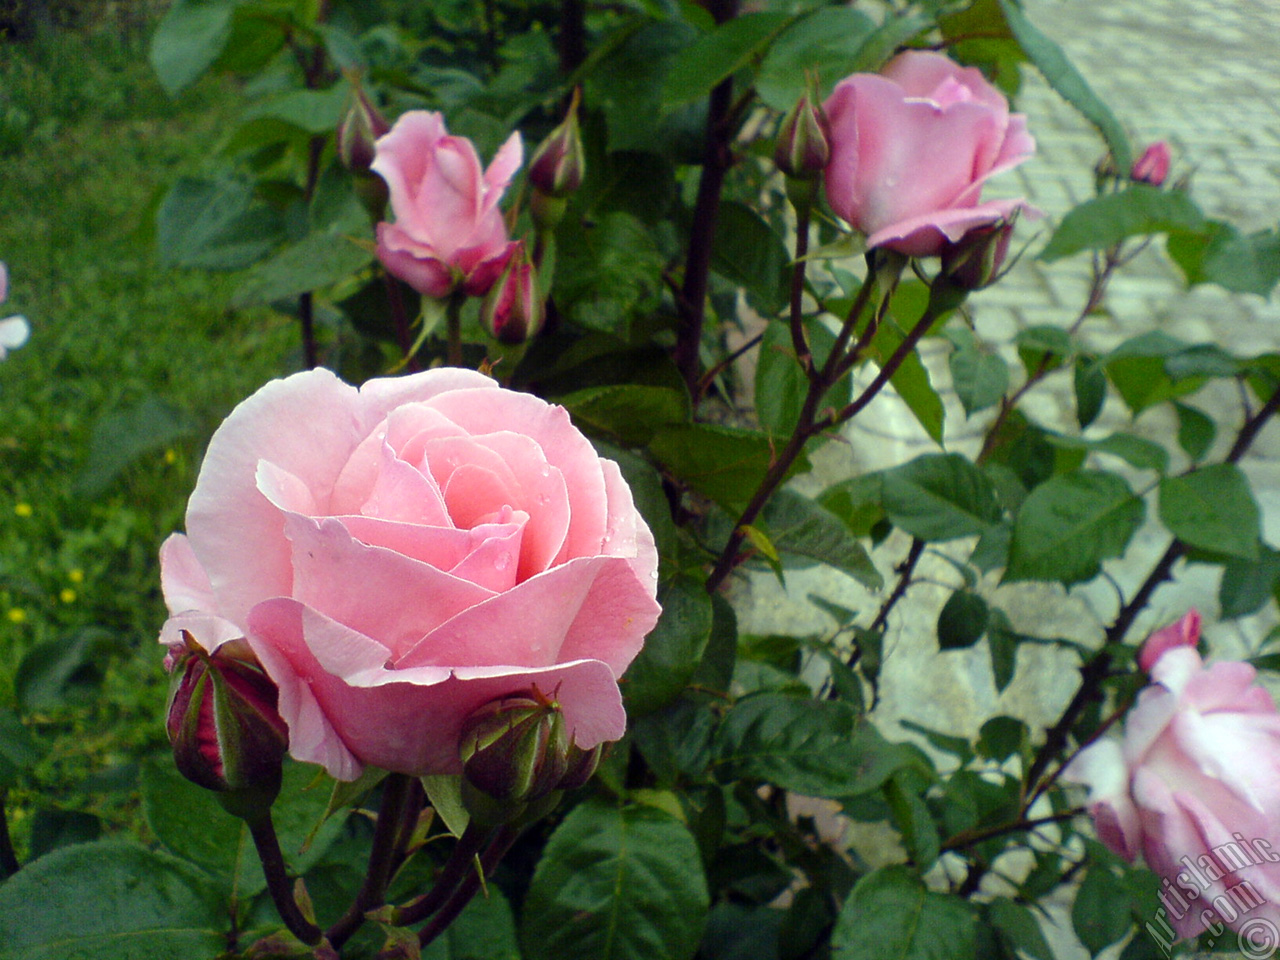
{"x": 804, "y": 141}
{"x": 1153, "y": 166}
{"x": 974, "y": 261}
{"x": 515, "y": 749}
{"x": 226, "y": 733}
{"x": 558, "y": 165}
{"x": 512, "y": 310}
{"x": 581, "y": 766}
{"x": 359, "y": 132}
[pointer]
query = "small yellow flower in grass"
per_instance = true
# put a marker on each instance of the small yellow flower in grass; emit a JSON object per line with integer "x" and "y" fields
{"x": 75, "y": 575}
{"x": 17, "y": 615}
{"x": 171, "y": 456}
{"x": 22, "y": 509}
{"x": 67, "y": 595}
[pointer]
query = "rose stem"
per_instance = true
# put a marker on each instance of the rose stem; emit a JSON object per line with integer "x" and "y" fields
{"x": 691, "y": 304}
{"x": 798, "y": 339}
{"x": 263, "y": 831}
{"x": 502, "y": 842}
{"x": 395, "y": 300}
{"x": 8, "y": 858}
{"x": 391, "y": 825}
{"x": 454, "y": 870}
{"x": 453, "y": 328}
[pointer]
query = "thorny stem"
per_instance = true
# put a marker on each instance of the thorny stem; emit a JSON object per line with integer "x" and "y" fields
{"x": 263, "y": 832}
{"x": 904, "y": 570}
{"x": 705, "y": 382}
{"x": 798, "y": 339}
{"x": 396, "y": 792}
{"x": 691, "y": 303}
{"x": 501, "y": 843}
{"x": 967, "y": 838}
{"x": 454, "y": 870}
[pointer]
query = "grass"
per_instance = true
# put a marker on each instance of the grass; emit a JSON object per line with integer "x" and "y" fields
{"x": 88, "y": 144}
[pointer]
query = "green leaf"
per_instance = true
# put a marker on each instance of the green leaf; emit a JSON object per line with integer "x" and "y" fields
{"x": 1196, "y": 431}
{"x": 718, "y": 55}
{"x": 1002, "y": 647}
{"x": 485, "y": 930}
{"x": 821, "y": 748}
{"x": 1069, "y": 524}
{"x": 896, "y": 31}
{"x": 963, "y": 620}
{"x": 1002, "y": 737}
{"x": 1067, "y": 81}
{"x": 1138, "y": 452}
{"x": 748, "y": 252}
{"x": 781, "y": 384}
{"x": 445, "y": 793}
{"x": 1137, "y": 210}
{"x": 911, "y": 379}
{"x": 616, "y": 884}
{"x": 858, "y": 502}
{"x": 1098, "y": 915}
{"x": 191, "y": 824}
{"x": 606, "y": 272}
{"x": 1091, "y": 390}
{"x": 214, "y": 225}
{"x": 312, "y": 111}
{"x": 110, "y": 900}
{"x": 980, "y": 379}
{"x": 628, "y": 412}
{"x": 316, "y": 261}
{"x": 723, "y": 463}
{"x": 188, "y": 40}
{"x": 1212, "y": 508}
{"x": 913, "y": 821}
{"x": 60, "y": 672}
{"x": 891, "y": 915}
{"x": 672, "y": 651}
{"x": 1221, "y": 254}
{"x": 801, "y": 526}
{"x": 19, "y": 750}
{"x": 1045, "y": 345}
{"x": 1018, "y": 929}
{"x": 124, "y": 437}
{"x": 939, "y": 496}
{"x": 1248, "y": 584}
{"x": 958, "y": 747}
{"x": 826, "y": 44}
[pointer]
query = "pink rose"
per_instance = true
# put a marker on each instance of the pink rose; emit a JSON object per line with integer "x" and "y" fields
{"x": 399, "y": 555}
{"x": 1153, "y": 166}
{"x": 448, "y": 230}
{"x": 911, "y": 148}
{"x": 1195, "y": 785}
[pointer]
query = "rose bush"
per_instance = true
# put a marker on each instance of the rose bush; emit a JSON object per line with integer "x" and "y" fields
{"x": 448, "y": 229}
{"x": 401, "y": 554}
{"x": 1195, "y": 784}
{"x": 911, "y": 148}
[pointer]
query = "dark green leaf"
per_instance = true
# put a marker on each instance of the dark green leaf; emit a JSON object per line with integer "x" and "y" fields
{"x": 485, "y": 930}
{"x": 1069, "y": 524}
{"x": 857, "y": 502}
{"x": 719, "y": 54}
{"x": 1043, "y": 347}
{"x": 214, "y": 225}
{"x": 748, "y": 253}
{"x": 963, "y": 620}
{"x": 1212, "y": 508}
{"x": 616, "y": 884}
{"x": 629, "y": 412}
{"x": 1067, "y": 81}
{"x": 1138, "y": 452}
{"x": 1248, "y": 584}
{"x": 312, "y": 111}
{"x": 672, "y": 651}
{"x": 61, "y": 672}
{"x": 939, "y": 496}
{"x": 956, "y": 746}
{"x": 896, "y": 30}
{"x": 801, "y": 526}
{"x": 821, "y": 748}
{"x": 980, "y": 379}
{"x": 126, "y": 436}
{"x": 316, "y": 261}
{"x": 722, "y": 463}
{"x": 1196, "y": 431}
{"x": 891, "y": 915}
{"x": 19, "y": 750}
{"x": 1091, "y": 391}
{"x": 1221, "y": 254}
{"x": 1018, "y": 929}
{"x": 1002, "y": 737}
{"x": 53, "y": 828}
{"x": 781, "y": 384}
{"x": 606, "y": 271}
{"x": 1002, "y": 647}
{"x": 188, "y": 41}
{"x": 913, "y": 821}
{"x": 1095, "y": 915}
{"x": 911, "y": 379}
{"x": 110, "y": 900}
{"x": 825, "y": 44}
{"x": 1138, "y": 210}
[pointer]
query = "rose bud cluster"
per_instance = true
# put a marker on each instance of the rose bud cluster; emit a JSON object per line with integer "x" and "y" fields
{"x": 912, "y": 147}
{"x": 223, "y": 723}
{"x": 1194, "y": 785}
{"x": 448, "y": 232}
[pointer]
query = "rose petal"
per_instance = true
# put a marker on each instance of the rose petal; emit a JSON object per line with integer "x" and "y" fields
{"x": 183, "y": 581}
{"x": 407, "y": 260}
{"x": 1183, "y": 633}
{"x": 925, "y": 235}
{"x": 402, "y": 157}
{"x": 1102, "y": 768}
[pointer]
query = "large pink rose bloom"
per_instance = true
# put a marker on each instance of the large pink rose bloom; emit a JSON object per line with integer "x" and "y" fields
{"x": 448, "y": 229}
{"x": 911, "y": 148}
{"x": 401, "y": 554}
{"x": 1194, "y": 786}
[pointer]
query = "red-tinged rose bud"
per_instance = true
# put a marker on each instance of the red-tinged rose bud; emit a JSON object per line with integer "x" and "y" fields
{"x": 226, "y": 733}
{"x": 581, "y": 766}
{"x": 1153, "y": 166}
{"x": 513, "y": 310}
{"x": 558, "y": 165}
{"x": 515, "y": 749}
{"x": 359, "y": 132}
{"x": 974, "y": 261}
{"x": 804, "y": 141}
